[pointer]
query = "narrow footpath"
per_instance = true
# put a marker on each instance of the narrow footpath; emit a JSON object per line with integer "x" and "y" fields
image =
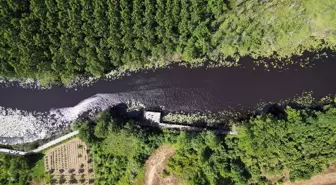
{"x": 41, "y": 148}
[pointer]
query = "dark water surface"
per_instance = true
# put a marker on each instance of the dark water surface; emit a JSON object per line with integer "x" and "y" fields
{"x": 187, "y": 89}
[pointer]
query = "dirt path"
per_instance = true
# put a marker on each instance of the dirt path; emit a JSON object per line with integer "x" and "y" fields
{"x": 155, "y": 166}
{"x": 326, "y": 178}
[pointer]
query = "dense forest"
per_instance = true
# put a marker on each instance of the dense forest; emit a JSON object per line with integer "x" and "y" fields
{"x": 290, "y": 146}
{"x": 22, "y": 170}
{"x": 14, "y": 170}
{"x": 57, "y": 40}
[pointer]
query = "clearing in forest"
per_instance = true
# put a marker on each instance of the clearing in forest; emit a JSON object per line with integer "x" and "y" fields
{"x": 70, "y": 163}
{"x": 328, "y": 177}
{"x": 155, "y": 166}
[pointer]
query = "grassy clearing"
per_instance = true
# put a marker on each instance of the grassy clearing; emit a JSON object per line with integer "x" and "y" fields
{"x": 38, "y": 173}
{"x": 140, "y": 178}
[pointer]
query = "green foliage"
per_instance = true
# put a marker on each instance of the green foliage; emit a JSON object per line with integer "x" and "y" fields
{"x": 301, "y": 143}
{"x": 285, "y": 28}
{"x": 121, "y": 144}
{"x": 120, "y": 149}
{"x": 200, "y": 159}
{"x": 38, "y": 171}
{"x": 14, "y": 170}
{"x": 266, "y": 150}
{"x": 304, "y": 144}
{"x": 56, "y": 40}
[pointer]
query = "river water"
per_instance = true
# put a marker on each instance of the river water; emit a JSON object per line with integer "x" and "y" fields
{"x": 174, "y": 89}
{"x": 185, "y": 89}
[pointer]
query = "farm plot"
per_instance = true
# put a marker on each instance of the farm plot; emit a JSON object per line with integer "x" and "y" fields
{"x": 70, "y": 163}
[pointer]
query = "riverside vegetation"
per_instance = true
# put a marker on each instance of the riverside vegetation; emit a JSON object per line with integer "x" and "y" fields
{"x": 289, "y": 146}
{"x": 56, "y": 40}
{"x": 19, "y": 170}
{"x": 13, "y": 170}
{"x": 291, "y": 143}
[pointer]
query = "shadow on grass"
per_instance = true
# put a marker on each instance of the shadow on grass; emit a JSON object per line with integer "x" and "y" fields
{"x": 33, "y": 158}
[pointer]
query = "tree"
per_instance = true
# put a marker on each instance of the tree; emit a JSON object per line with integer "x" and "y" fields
{"x": 114, "y": 38}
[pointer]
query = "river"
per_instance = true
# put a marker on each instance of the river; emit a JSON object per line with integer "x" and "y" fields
{"x": 186, "y": 89}
{"x": 178, "y": 89}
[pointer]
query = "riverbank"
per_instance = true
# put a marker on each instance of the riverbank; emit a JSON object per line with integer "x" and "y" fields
{"x": 306, "y": 60}
{"x": 285, "y": 136}
{"x": 205, "y": 90}
{"x": 221, "y": 120}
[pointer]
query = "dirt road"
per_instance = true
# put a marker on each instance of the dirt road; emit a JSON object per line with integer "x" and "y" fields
{"x": 155, "y": 166}
{"x": 326, "y": 178}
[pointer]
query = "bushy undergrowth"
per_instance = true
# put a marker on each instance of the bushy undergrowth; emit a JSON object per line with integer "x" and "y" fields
{"x": 13, "y": 170}
{"x": 292, "y": 145}
{"x": 19, "y": 170}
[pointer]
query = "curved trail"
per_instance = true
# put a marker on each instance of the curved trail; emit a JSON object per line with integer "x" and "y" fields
{"x": 156, "y": 164}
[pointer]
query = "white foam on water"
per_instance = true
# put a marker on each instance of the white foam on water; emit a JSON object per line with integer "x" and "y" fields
{"x": 18, "y": 126}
